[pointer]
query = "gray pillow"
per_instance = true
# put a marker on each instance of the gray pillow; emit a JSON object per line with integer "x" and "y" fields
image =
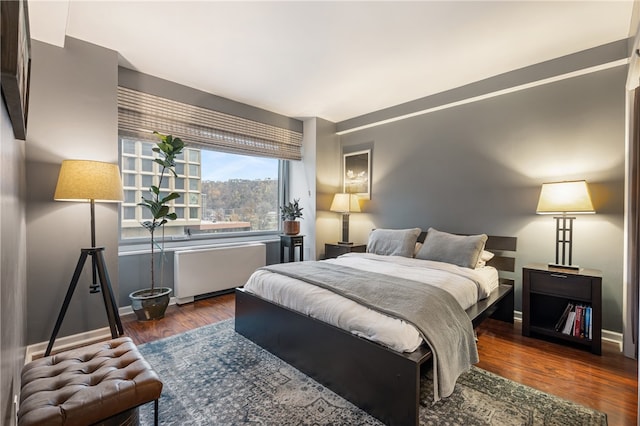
{"x": 456, "y": 249}
{"x": 393, "y": 242}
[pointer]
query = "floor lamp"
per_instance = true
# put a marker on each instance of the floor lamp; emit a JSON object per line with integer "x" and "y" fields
{"x": 345, "y": 204}
{"x": 90, "y": 181}
{"x": 564, "y": 198}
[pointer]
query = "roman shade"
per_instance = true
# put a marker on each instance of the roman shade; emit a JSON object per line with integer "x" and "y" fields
{"x": 139, "y": 114}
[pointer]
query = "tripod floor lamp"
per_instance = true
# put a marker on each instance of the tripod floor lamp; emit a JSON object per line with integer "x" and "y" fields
{"x": 90, "y": 181}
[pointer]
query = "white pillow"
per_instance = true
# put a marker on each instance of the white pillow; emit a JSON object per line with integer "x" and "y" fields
{"x": 393, "y": 242}
{"x": 485, "y": 256}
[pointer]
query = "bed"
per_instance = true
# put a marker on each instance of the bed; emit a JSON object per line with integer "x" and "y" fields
{"x": 363, "y": 371}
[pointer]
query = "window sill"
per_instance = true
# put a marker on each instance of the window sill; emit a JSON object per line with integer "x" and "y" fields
{"x": 140, "y": 247}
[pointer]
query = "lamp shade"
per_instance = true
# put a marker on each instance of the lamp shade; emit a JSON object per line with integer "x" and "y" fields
{"x": 345, "y": 203}
{"x": 565, "y": 197}
{"x": 85, "y": 180}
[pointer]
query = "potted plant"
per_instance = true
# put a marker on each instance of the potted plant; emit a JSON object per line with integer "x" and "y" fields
{"x": 151, "y": 303}
{"x": 289, "y": 212}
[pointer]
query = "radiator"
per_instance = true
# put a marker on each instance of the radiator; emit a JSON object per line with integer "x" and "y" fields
{"x": 208, "y": 270}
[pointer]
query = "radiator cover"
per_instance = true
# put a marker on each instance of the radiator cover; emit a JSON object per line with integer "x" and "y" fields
{"x": 217, "y": 268}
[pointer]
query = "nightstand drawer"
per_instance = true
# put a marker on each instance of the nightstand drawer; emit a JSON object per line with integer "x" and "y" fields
{"x": 559, "y": 284}
{"x": 335, "y": 250}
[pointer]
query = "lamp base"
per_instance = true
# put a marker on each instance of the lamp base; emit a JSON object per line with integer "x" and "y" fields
{"x": 115, "y": 324}
{"x": 558, "y": 266}
{"x": 345, "y": 243}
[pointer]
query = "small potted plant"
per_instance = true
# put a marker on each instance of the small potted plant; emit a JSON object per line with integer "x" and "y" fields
{"x": 151, "y": 303}
{"x": 289, "y": 213}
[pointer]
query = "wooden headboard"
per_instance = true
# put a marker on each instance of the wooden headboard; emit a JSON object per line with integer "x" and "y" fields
{"x": 504, "y": 250}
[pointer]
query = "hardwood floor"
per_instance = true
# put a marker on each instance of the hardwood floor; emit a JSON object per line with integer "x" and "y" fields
{"x": 607, "y": 383}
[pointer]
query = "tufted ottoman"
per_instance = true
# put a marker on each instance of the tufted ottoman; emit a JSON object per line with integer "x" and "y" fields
{"x": 83, "y": 386}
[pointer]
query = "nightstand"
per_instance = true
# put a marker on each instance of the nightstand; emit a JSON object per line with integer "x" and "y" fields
{"x": 546, "y": 293}
{"x": 335, "y": 250}
{"x": 291, "y": 241}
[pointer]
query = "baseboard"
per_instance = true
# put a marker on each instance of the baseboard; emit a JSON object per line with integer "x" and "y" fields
{"x": 67, "y": 342}
{"x": 37, "y": 350}
{"x": 517, "y": 315}
{"x": 614, "y": 337}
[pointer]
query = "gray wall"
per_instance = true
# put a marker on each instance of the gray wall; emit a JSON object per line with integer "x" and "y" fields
{"x": 321, "y": 148}
{"x": 477, "y": 168}
{"x": 328, "y": 223}
{"x": 13, "y": 269}
{"x": 302, "y": 186}
{"x": 72, "y": 115}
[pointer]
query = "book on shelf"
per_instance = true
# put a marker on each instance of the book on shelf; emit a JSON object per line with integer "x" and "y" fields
{"x": 563, "y": 318}
{"x": 568, "y": 325}
{"x": 578, "y": 321}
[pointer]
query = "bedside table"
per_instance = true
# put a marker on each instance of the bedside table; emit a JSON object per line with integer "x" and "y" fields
{"x": 546, "y": 293}
{"x": 335, "y": 250}
{"x": 291, "y": 241}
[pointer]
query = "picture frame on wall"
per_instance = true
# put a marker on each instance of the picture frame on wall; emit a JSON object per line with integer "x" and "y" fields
{"x": 357, "y": 173}
{"x": 15, "y": 63}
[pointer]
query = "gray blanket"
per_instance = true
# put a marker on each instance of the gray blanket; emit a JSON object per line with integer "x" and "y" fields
{"x": 442, "y": 322}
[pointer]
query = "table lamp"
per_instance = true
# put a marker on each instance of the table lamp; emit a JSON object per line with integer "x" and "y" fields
{"x": 345, "y": 204}
{"x": 564, "y": 198}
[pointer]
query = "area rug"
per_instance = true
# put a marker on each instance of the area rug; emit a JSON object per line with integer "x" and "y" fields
{"x": 214, "y": 376}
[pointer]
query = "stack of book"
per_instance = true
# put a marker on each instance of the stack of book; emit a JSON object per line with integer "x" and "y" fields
{"x": 575, "y": 321}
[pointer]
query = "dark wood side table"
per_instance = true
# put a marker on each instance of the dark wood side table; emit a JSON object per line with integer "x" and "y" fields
{"x": 291, "y": 241}
{"x": 335, "y": 250}
{"x": 546, "y": 292}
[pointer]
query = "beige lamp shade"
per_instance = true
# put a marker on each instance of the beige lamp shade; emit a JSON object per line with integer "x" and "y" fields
{"x": 565, "y": 197}
{"x": 345, "y": 203}
{"x": 85, "y": 180}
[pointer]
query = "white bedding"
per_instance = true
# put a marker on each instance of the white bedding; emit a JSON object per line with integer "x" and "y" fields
{"x": 467, "y": 286}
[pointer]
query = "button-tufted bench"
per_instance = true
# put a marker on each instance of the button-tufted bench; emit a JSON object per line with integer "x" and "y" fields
{"x": 83, "y": 386}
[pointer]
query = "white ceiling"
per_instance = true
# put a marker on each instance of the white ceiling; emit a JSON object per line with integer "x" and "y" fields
{"x": 334, "y": 60}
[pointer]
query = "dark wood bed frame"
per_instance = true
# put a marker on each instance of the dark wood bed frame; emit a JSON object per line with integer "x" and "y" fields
{"x": 379, "y": 380}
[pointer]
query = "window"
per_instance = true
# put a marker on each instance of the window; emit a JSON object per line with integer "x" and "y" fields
{"x": 220, "y": 192}
{"x": 229, "y": 177}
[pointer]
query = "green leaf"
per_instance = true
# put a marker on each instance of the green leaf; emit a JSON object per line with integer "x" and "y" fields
{"x": 171, "y": 196}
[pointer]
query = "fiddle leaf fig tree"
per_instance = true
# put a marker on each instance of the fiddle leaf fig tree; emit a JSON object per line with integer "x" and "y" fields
{"x": 168, "y": 148}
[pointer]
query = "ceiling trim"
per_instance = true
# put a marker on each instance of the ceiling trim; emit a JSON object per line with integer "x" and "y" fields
{"x": 588, "y": 61}
{"x": 491, "y": 95}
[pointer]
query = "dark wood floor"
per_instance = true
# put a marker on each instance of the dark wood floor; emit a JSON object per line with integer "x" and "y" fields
{"x": 607, "y": 383}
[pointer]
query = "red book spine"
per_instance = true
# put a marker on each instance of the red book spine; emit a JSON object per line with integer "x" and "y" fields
{"x": 578, "y": 321}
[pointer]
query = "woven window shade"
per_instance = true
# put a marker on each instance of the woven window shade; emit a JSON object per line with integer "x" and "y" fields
{"x": 139, "y": 114}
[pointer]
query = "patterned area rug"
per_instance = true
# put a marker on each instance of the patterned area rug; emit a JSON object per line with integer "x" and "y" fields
{"x": 214, "y": 376}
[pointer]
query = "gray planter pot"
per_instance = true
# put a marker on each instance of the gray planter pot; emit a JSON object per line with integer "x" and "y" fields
{"x": 149, "y": 306}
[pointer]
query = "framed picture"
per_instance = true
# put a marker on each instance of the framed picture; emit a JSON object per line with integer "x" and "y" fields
{"x": 15, "y": 63}
{"x": 357, "y": 173}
